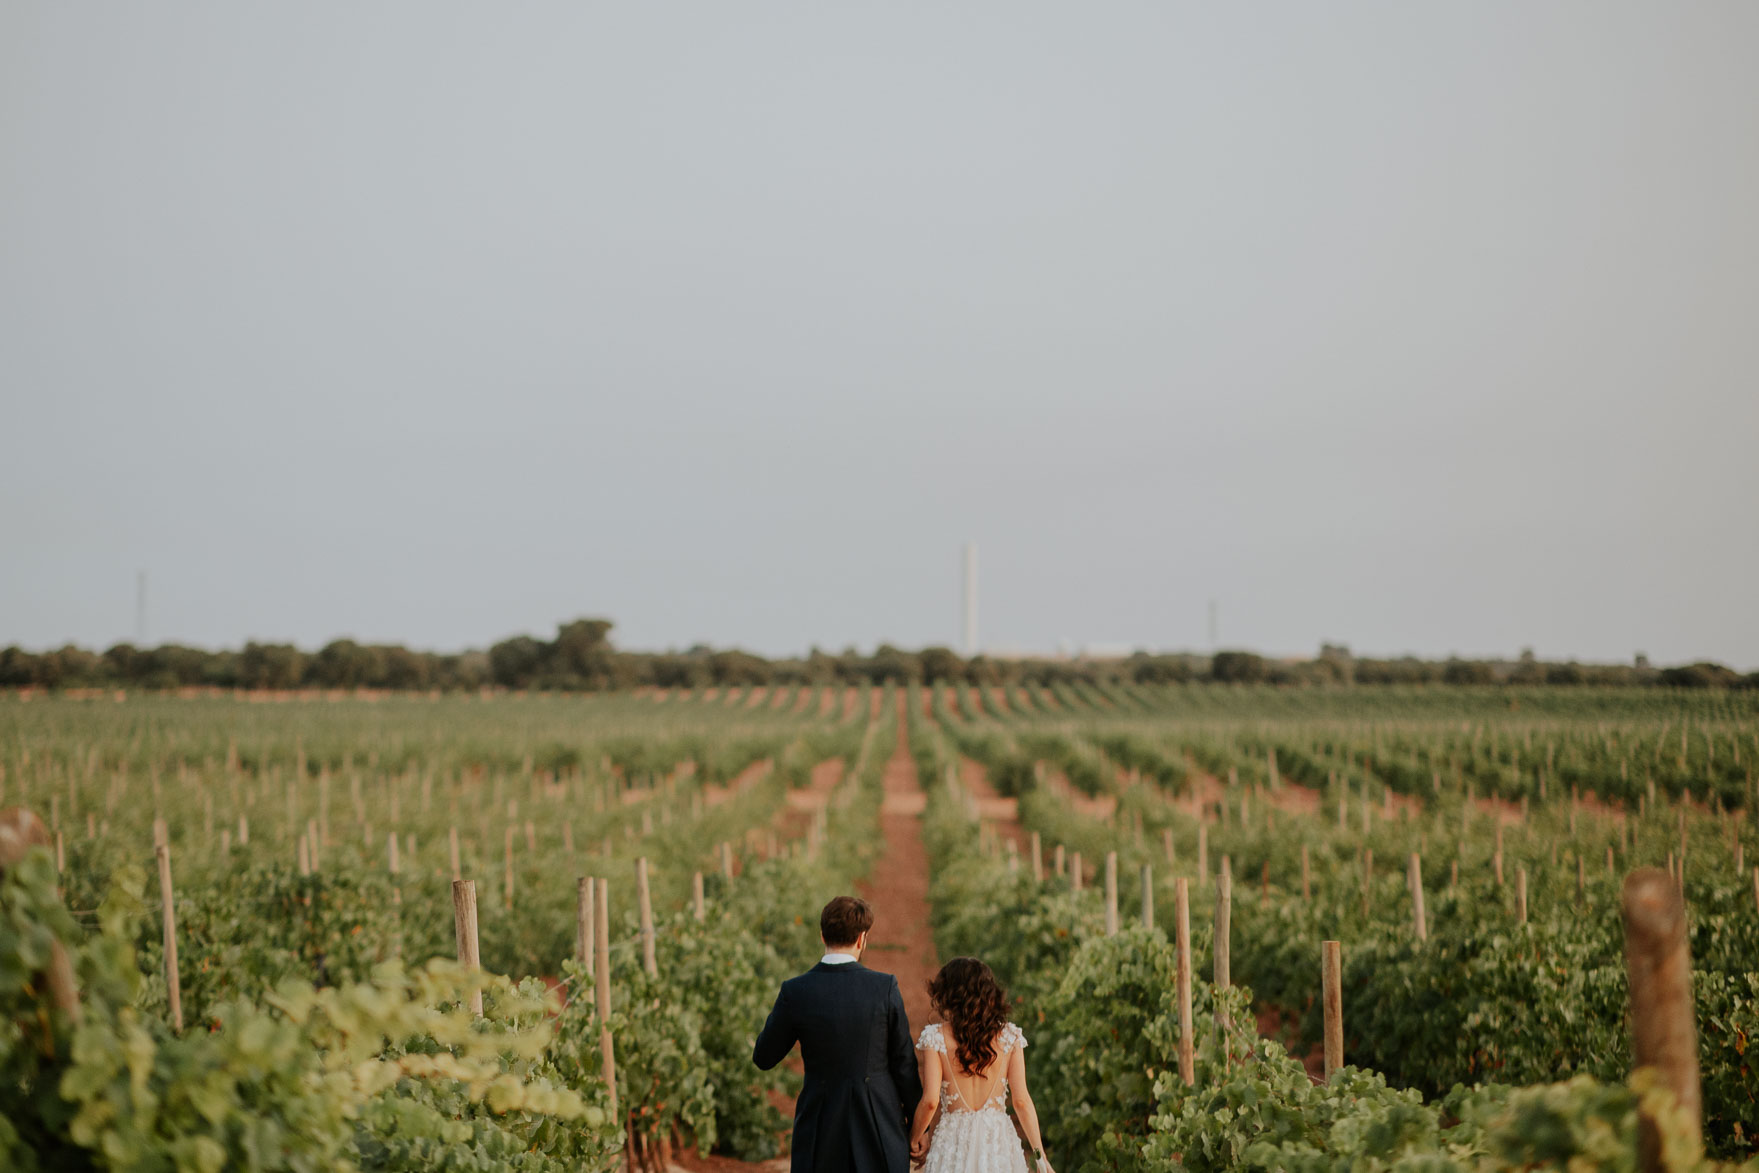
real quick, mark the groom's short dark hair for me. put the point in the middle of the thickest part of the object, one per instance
(844, 919)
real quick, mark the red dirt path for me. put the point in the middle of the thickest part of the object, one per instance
(898, 886)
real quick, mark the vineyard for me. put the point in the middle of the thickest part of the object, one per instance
(1245, 927)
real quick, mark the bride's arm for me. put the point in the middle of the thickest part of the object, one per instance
(1023, 1109)
(929, 1062)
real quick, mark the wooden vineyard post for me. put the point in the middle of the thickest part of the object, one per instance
(173, 984)
(1224, 899)
(696, 897)
(394, 865)
(1187, 1051)
(1075, 870)
(583, 896)
(645, 905)
(1037, 858)
(1521, 894)
(1663, 1036)
(1306, 876)
(1367, 878)
(1111, 893)
(1147, 896)
(726, 859)
(464, 931)
(1331, 989)
(1058, 864)
(1419, 923)
(602, 987)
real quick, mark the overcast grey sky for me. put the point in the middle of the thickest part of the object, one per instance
(1416, 326)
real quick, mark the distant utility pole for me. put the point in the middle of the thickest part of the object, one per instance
(970, 599)
(1214, 628)
(140, 609)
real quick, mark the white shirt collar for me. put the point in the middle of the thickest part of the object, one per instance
(835, 958)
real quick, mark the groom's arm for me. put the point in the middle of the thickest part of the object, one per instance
(778, 1035)
(901, 1053)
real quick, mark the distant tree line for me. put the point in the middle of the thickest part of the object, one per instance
(582, 658)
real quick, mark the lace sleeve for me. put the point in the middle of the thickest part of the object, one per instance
(1013, 1038)
(931, 1040)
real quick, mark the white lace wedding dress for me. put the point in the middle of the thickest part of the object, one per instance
(976, 1138)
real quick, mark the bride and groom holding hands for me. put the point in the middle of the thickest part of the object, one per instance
(872, 1102)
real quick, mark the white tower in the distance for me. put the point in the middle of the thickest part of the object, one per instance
(970, 599)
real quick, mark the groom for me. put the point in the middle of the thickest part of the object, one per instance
(861, 1081)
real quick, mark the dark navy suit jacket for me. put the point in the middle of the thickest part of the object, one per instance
(861, 1081)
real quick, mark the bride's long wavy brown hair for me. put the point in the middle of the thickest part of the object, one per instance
(975, 1006)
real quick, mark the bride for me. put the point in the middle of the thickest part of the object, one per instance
(968, 1061)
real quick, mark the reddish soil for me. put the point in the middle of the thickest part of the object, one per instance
(1001, 813)
(1101, 807)
(1276, 1023)
(1504, 810)
(827, 702)
(801, 805)
(874, 701)
(640, 794)
(747, 778)
(851, 698)
(1296, 800)
(898, 885)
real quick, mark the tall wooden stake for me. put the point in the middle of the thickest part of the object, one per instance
(464, 931)
(1331, 989)
(1663, 1033)
(1111, 893)
(602, 988)
(1187, 1052)
(1224, 899)
(173, 984)
(1419, 923)
(645, 904)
